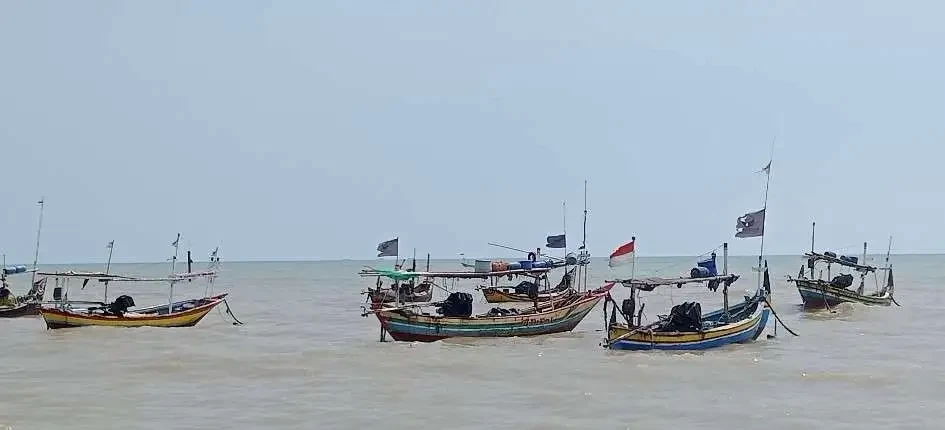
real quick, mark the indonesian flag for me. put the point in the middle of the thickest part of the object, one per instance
(623, 254)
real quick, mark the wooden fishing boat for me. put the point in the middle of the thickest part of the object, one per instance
(818, 293)
(66, 313)
(20, 310)
(520, 292)
(406, 324)
(28, 304)
(405, 293)
(184, 313)
(686, 327)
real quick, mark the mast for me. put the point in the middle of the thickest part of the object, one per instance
(170, 296)
(764, 208)
(108, 265)
(39, 229)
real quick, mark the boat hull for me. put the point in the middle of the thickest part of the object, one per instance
(149, 317)
(820, 294)
(406, 326)
(21, 310)
(740, 332)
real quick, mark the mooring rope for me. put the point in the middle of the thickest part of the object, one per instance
(230, 312)
(778, 319)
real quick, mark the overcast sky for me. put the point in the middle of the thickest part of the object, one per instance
(313, 129)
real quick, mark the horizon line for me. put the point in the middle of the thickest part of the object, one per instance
(339, 259)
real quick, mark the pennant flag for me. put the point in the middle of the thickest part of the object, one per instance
(750, 225)
(176, 241)
(623, 254)
(110, 244)
(388, 248)
(556, 241)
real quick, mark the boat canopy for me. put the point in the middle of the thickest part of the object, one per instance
(813, 257)
(649, 284)
(403, 275)
(115, 277)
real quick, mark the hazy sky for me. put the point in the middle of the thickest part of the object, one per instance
(317, 129)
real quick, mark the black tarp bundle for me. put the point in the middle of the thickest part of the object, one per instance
(456, 305)
(685, 317)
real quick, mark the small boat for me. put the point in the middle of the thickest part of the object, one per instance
(185, 313)
(818, 293)
(520, 292)
(686, 327)
(65, 313)
(406, 290)
(30, 303)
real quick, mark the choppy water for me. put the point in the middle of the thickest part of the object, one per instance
(306, 359)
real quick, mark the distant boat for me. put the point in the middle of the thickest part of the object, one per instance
(817, 293)
(30, 303)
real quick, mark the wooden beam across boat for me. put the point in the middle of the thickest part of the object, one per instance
(400, 274)
(653, 282)
(836, 260)
(115, 277)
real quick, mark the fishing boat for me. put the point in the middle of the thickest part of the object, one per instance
(520, 292)
(818, 293)
(407, 290)
(525, 291)
(686, 327)
(30, 303)
(65, 313)
(25, 305)
(454, 316)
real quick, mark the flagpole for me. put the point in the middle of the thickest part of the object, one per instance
(39, 229)
(765, 205)
(765, 221)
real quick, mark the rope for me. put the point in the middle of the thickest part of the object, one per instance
(230, 312)
(778, 319)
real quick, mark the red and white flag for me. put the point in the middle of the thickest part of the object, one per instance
(623, 254)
